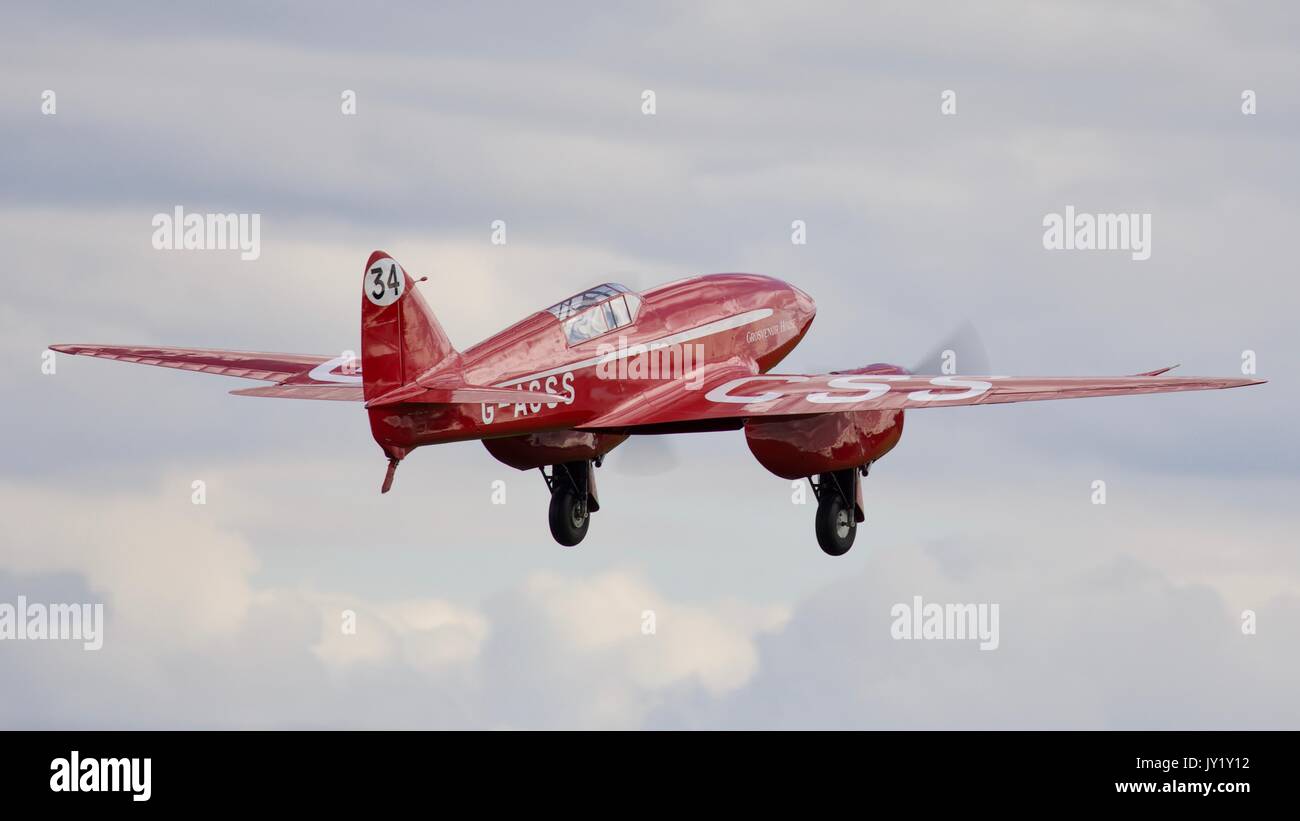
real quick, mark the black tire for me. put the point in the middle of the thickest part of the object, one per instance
(569, 516)
(836, 527)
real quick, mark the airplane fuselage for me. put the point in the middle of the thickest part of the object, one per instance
(680, 328)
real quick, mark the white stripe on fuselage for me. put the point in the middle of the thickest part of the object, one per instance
(632, 349)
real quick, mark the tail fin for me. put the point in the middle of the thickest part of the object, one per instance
(400, 337)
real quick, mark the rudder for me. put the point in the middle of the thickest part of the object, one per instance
(400, 337)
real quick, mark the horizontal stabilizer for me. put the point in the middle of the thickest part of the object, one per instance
(338, 393)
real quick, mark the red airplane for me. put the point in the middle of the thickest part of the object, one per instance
(563, 387)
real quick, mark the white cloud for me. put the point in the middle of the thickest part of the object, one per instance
(430, 636)
(170, 573)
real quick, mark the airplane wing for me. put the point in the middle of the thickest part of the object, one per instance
(297, 376)
(730, 394)
(300, 376)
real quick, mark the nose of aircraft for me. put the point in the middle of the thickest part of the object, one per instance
(804, 307)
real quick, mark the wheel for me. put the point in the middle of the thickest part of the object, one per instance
(836, 527)
(569, 516)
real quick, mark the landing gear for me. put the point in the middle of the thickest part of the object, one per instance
(838, 510)
(573, 500)
(835, 526)
(395, 455)
(569, 516)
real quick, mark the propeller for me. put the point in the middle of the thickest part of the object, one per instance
(962, 352)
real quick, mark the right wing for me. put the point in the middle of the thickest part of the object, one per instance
(731, 394)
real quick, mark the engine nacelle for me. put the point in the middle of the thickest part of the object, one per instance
(793, 448)
(556, 447)
(809, 445)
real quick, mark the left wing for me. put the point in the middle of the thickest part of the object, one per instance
(728, 395)
(297, 376)
(306, 376)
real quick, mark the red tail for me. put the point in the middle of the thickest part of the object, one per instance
(400, 337)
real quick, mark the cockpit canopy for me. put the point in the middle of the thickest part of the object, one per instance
(596, 311)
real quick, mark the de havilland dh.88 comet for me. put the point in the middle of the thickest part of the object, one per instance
(561, 388)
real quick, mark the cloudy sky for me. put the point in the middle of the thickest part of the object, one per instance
(1123, 615)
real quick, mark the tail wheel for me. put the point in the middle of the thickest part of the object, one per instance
(569, 515)
(836, 527)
